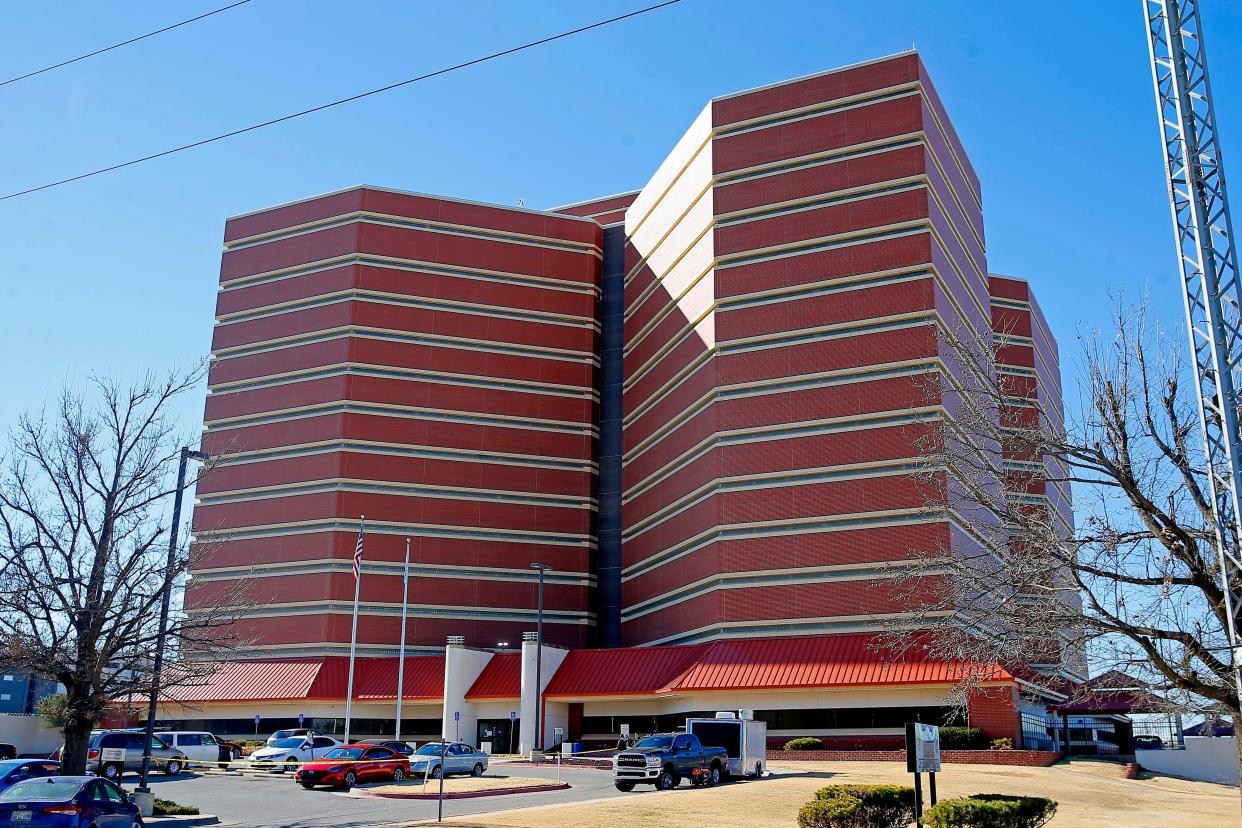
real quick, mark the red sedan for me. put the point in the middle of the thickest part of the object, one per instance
(346, 766)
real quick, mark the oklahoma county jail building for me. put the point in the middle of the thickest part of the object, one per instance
(699, 403)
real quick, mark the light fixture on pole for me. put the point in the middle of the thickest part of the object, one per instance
(187, 454)
(541, 567)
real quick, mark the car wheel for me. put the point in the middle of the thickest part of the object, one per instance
(111, 771)
(398, 775)
(625, 786)
(477, 770)
(290, 765)
(307, 785)
(350, 779)
(666, 781)
(436, 772)
(713, 778)
(173, 768)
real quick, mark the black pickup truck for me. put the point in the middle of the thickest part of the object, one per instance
(664, 759)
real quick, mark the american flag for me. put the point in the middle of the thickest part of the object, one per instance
(358, 548)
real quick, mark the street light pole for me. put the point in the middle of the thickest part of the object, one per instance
(539, 658)
(187, 454)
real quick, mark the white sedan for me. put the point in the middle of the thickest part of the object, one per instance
(289, 754)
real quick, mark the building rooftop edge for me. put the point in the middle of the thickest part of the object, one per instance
(812, 75)
(592, 200)
(414, 193)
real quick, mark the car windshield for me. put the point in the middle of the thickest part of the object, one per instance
(660, 742)
(432, 749)
(344, 753)
(294, 742)
(50, 789)
(282, 734)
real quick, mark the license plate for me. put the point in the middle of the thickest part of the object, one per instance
(22, 816)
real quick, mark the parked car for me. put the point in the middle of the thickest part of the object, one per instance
(8, 751)
(1148, 743)
(346, 766)
(404, 748)
(290, 733)
(664, 759)
(13, 771)
(68, 802)
(110, 753)
(458, 758)
(199, 746)
(288, 754)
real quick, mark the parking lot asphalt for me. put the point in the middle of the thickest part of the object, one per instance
(276, 801)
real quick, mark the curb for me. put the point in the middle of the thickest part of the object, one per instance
(197, 819)
(556, 786)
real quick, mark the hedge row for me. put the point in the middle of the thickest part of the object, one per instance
(859, 806)
(892, 806)
(804, 743)
(991, 811)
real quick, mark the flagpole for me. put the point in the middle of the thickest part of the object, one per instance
(353, 634)
(405, 597)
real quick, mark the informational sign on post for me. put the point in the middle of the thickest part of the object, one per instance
(625, 729)
(256, 724)
(301, 719)
(513, 715)
(922, 756)
(112, 755)
(558, 732)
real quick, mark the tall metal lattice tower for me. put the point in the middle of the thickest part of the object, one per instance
(1209, 268)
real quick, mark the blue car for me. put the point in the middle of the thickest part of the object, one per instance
(13, 771)
(68, 802)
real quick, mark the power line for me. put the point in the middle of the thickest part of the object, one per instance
(493, 56)
(122, 43)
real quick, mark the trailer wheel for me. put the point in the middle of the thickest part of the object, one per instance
(758, 770)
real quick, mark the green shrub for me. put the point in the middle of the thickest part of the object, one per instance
(991, 811)
(840, 812)
(804, 743)
(963, 738)
(165, 807)
(880, 806)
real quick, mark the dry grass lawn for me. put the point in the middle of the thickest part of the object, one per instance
(1091, 795)
(456, 784)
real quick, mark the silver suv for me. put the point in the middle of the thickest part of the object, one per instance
(111, 753)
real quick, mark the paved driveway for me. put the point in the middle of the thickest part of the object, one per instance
(277, 802)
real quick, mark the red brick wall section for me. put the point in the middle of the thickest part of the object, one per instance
(1025, 758)
(996, 710)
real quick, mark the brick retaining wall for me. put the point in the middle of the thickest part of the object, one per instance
(1027, 758)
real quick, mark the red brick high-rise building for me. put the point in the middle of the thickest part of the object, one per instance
(700, 403)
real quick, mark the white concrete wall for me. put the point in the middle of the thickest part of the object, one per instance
(552, 659)
(462, 666)
(290, 710)
(1206, 758)
(28, 734)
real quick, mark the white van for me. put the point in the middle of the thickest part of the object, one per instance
(199, 746)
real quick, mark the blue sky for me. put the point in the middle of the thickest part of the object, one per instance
(118, 273)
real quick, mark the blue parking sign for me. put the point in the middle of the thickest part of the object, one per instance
(512, 715)
(457, 715)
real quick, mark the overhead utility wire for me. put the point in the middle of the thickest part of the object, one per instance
(122, 43)
(493, 56)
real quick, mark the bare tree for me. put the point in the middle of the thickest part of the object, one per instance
(1135, 584)
(84, 548)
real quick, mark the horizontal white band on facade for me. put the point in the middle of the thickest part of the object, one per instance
(357, 485)
(905, 467)
(789, 576)
(432, 340)
(376, 608)
(376, 297)
(825, 333)
(339, 566)
(825, 287)
(407, 223)
(811, 525)
(828, 198)
(359, 369)
(406, 450)
(407, 412)
(782, 431)
(823, 625)
(522, 280)
(402, 528)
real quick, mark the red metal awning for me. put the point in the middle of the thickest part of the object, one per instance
(625, 671)
(319, 678)
(500, 679)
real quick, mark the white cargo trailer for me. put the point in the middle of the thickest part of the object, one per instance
(743, 738)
